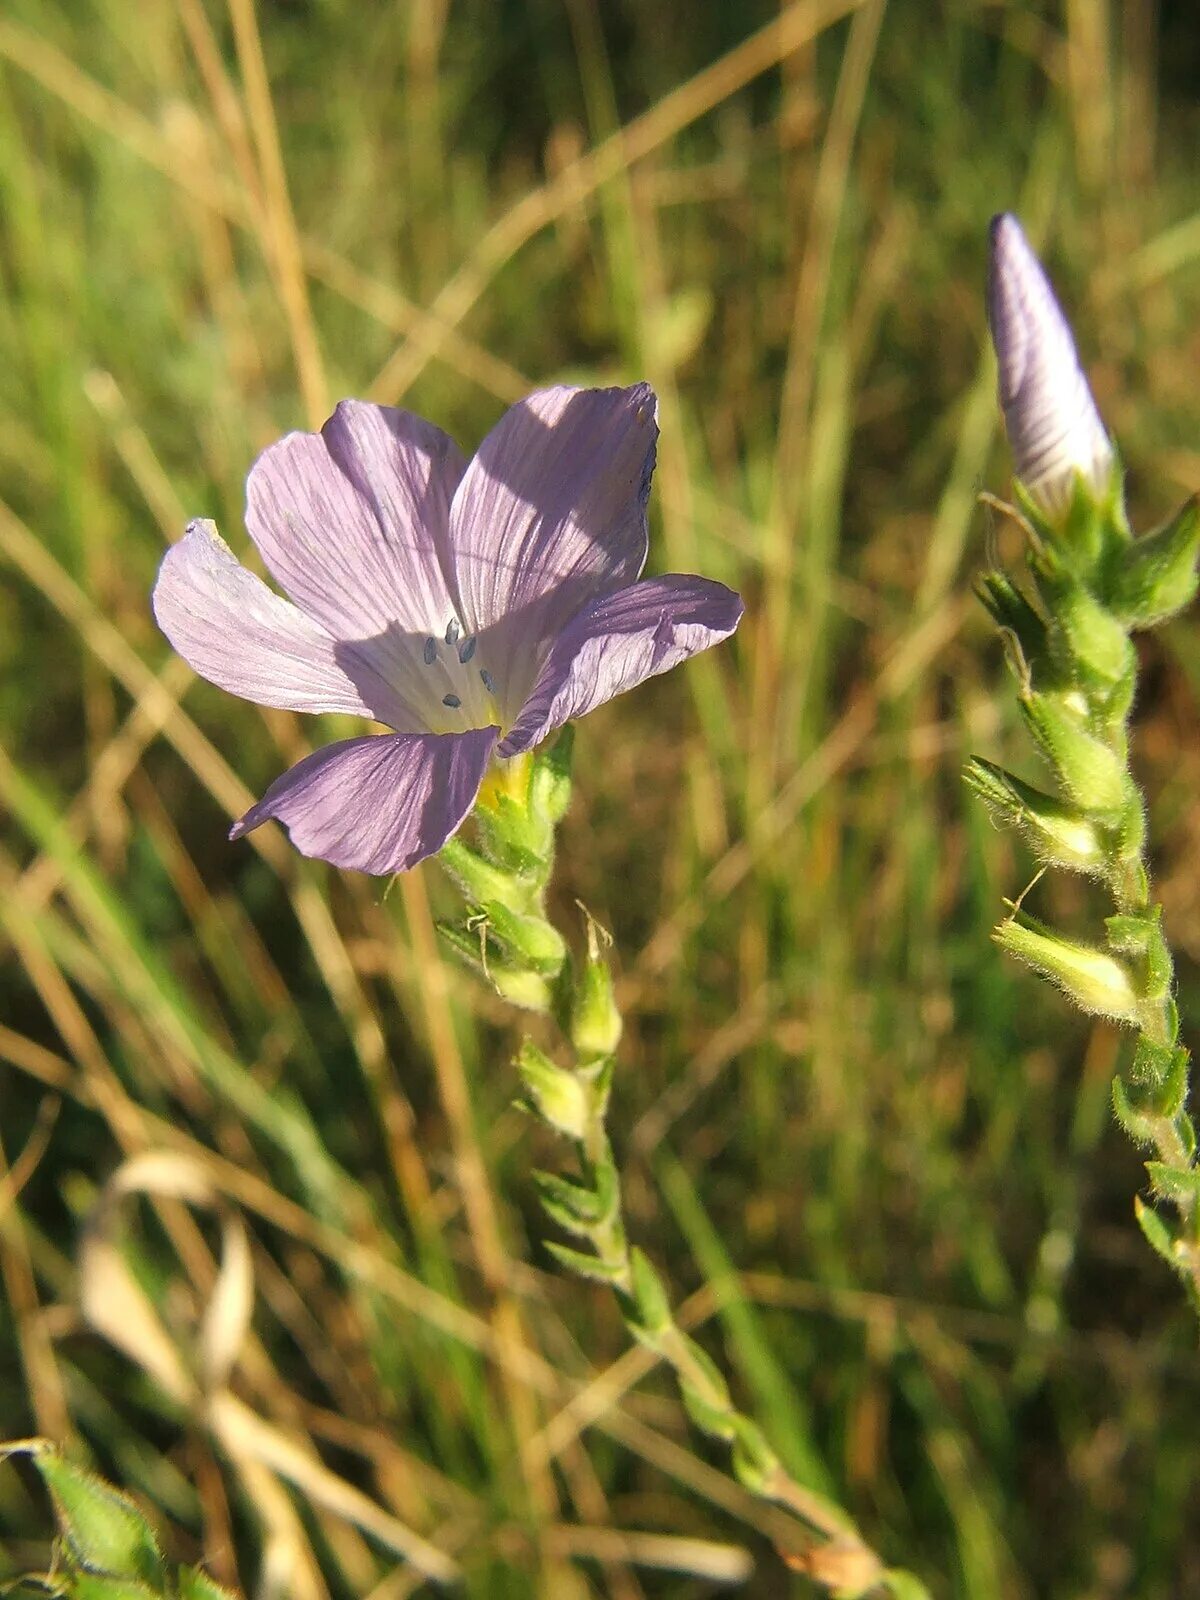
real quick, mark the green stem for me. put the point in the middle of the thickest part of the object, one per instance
(848, 1563)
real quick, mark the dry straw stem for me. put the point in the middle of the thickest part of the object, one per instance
(60, 76)
(43, 1380)
(135, 1127)
(280, 235)
(904, 664)
(117, 1307)
(798, 25)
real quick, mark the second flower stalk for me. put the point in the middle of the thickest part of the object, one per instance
(507, 936)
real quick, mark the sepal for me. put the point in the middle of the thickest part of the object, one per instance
(478, 879)
(1156, 576)
(1017, 618)
(1165, 1069)
(1142, 938)
(1088, 644)
(575, 1207)
(514, 840)
(1161, 1235)
(650, 1310)
(1178, 1184)
(520, 987)
(550, 780)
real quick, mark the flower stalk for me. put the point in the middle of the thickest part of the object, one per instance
(573, 1100)
(1091, 584)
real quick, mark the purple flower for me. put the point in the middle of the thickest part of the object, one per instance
(472, 607)
(1053, 426)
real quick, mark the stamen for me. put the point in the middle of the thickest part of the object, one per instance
(489, 683)
(467, 649)
(430, 651)
(452, 701)
(452, 631)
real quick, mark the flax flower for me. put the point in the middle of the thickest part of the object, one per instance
(471, 607)
(1054, 429)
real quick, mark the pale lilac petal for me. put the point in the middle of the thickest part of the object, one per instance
(353, 522)
(1053, 426)
(379, 804)
(229, 627)
(618, 642)
(550, 514)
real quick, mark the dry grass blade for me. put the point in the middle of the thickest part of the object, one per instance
(61, 77)
(118, 1308)
(796, 26)
(700, 1558)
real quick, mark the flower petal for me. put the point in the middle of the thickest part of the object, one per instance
(353, 521)
(378, 804)
(617, 642)
(1053, 426)
(229, 627)
(550, 514)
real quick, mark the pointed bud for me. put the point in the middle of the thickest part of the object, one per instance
(1096, 981)
(1092, 774)
(101, 1527)
(1055, 832)
(1054, 429)
(1157, 576)
(595, 1019)
(613, 1273)
(558, 1096)
(1012, 611)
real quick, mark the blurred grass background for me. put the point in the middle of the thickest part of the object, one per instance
(215, 219)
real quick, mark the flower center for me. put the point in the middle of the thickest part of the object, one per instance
(462, 690)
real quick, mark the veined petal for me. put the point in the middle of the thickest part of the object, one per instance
(378, 804)
(229, 627)
(550, 514)
(620, 640)
(353, 522)
(1053, 426)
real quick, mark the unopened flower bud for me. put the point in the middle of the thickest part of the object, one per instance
(521, 987)
(595, 1019)
(1057, 832)
(559, 1096)
(1095, 980)
(529, 939)
(1054, 429)
(478, 879)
